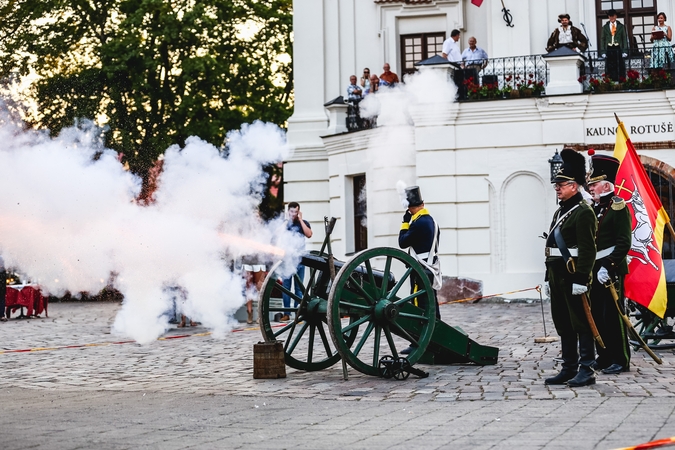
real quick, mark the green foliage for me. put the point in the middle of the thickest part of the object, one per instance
(158, 71)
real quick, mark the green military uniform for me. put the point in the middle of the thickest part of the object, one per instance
(570, 257)
(613, 242)
(578, 229)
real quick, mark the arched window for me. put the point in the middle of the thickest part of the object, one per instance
(663, 179)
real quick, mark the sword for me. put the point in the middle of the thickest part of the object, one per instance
(591, 322)
(587, 308)
(629, 326)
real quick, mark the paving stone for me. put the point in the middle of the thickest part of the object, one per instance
(198, 391)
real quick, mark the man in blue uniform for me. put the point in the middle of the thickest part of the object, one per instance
(420, 234)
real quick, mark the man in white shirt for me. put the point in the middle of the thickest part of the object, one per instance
(451, 48)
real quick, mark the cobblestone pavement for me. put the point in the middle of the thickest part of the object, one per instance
(199, 391)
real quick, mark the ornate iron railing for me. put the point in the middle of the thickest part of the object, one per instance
(503, 77)
(632, 70)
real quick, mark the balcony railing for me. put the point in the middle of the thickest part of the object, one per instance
(510, 77)
(354, 120)
(634, 70)
(527, 76)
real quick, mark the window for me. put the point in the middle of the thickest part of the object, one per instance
(639, 16)
(360, 214)
(418, 47)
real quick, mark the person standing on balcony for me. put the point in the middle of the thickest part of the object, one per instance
(614, 46)
(567, 35)
(662, 51)
(354, 96)
(374, 85)
(388, 78)
(474, 59)
(354, 91)
(365, 80)
(451, 47)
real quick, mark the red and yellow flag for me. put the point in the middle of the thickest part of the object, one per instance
(646, 282)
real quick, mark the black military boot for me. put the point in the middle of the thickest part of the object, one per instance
(586, 375)
(570, 364)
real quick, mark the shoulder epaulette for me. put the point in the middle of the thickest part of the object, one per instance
(618, 203)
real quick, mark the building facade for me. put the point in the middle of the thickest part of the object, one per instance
(483, 167)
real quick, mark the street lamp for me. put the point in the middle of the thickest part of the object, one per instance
(556, 163)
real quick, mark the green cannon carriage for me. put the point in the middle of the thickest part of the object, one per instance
(657, 332)
(369, 312)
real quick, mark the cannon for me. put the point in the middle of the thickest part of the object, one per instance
(364, 314)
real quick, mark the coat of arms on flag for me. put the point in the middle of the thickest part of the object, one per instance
(646, 281)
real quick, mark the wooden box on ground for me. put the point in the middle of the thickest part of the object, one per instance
(268, 360)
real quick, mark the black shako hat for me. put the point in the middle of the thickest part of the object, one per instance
(573, 168)
(414, 196)
(605, 168)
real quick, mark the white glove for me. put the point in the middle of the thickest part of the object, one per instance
(603, 275)
(604, 56)
(546, 289)
(578, 289)
(623, 55)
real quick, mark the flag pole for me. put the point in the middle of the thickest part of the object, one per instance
(625, 133)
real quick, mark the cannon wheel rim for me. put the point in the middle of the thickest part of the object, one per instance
(315, 329)
(335, 324)
(647, 326)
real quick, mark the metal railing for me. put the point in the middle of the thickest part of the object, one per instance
(503, 78)
(354, 120)
(632, 70)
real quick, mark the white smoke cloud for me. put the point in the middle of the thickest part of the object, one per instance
(427, 96)
(68, 221)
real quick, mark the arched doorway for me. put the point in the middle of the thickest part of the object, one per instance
(662, 177)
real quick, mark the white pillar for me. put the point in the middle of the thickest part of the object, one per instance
(309, 120)
(337, 117)
(564, 72)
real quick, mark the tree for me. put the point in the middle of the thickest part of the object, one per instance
(153, 71)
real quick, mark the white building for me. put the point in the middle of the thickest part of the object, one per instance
(482, 166)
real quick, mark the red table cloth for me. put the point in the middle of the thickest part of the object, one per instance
(26, 296)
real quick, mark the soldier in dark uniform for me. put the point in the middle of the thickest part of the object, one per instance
(420, 234)
(570, 256)
(613, 242)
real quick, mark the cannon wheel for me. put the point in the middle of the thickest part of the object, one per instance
(656, 332)
(356, 295)
(306, 343)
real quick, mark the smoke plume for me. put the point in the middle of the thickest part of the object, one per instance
(69, 222)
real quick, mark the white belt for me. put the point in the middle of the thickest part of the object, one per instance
(424, 255)
(553, 251)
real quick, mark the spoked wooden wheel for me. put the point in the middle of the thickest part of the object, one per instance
(390, 318)
(657, 333)
(306, 342)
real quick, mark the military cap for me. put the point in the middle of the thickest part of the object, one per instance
(573, 167)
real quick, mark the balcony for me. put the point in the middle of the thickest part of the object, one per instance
(561, 72)
(630, 73)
